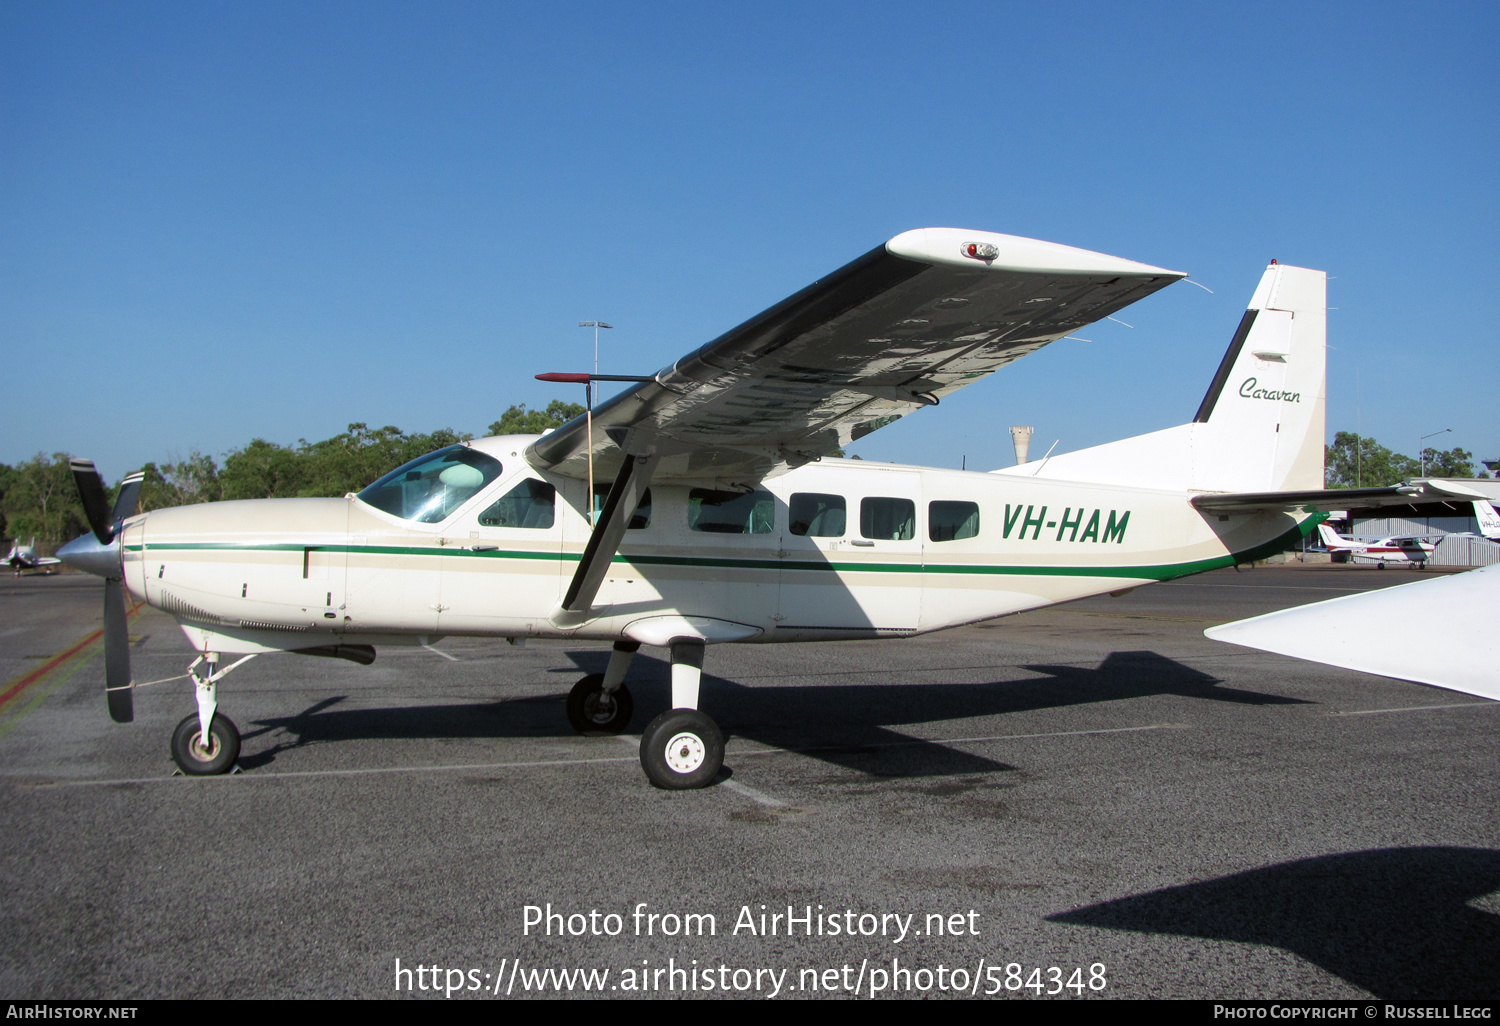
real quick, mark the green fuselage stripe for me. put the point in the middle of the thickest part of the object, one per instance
(1158, 572)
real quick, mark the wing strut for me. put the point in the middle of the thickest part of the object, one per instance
(624, 495)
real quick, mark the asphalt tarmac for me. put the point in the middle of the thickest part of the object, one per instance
(1093, 800)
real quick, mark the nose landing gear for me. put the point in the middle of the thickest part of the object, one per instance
(206, 744)
(197, 759)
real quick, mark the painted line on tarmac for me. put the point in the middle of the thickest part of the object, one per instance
(304, 774)
(759, 797)
(1146, 616)
(38, 694)
(754, 795)
(17, 685)
(80, 653)
(1419, 708)
(963, 740)
(744, 789)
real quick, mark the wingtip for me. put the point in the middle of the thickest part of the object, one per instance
(963, 247)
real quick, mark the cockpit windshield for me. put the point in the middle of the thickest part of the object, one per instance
(431, 487)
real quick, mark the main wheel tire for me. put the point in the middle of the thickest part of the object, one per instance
(682, 749)
(195, 758)
(593, 712)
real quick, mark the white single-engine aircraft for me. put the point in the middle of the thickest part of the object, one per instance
(725, 524)
(1412, 550)
(24, 557)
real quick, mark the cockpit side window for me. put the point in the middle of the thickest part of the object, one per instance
(432, 487)
(529, 504)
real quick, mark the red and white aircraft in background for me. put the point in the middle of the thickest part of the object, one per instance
(1411, 550)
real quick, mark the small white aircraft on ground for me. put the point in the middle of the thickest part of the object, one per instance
(24, 557)
(724, 523)
(1413, 550)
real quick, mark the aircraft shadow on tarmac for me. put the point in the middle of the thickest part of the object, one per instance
(845, 725)
(1393, 921)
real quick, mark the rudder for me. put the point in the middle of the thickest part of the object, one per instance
(1263, 417)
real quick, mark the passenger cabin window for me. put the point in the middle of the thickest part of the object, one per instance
(887, 519)
(639, 520)
(731, 512)
(430, 488)
(530, 504)
(952, 521)
(816, 516)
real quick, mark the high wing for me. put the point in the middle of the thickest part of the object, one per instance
(908, 323)
(1327, 499)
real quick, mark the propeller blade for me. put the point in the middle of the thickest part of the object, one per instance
(128, 499)
(117, 679)
(91, 494)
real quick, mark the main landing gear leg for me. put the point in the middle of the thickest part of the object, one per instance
(682, 748)
(194, 755)
(600, 705)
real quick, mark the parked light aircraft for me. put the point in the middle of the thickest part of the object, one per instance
(1488, 519)
(1413, 550)
(24, 557)
(724, 521)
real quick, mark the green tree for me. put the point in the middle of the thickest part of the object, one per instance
(344, 463)
(261, 470)
(1455, 462)
(1356, 462)
(518, 420)
(40, 499)
(195, 479)
(7, 473)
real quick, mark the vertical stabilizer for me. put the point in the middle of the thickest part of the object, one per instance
(1259, 427)
(1263, 414)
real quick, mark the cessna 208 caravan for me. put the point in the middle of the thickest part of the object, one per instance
(725, 523)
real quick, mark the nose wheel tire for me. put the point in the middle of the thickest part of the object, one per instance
(682, 749)
(197, 759)
(594, 712)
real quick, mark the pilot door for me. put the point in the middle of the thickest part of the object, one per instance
(503, 567)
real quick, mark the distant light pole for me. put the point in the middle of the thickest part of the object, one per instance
(1420, 455)
(589, 399)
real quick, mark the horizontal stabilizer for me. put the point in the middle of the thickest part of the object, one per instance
(1323, 500)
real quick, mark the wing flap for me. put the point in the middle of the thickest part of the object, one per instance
(899, 328)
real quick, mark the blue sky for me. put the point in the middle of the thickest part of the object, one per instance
(221, 221)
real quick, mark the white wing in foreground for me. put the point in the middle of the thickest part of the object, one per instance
(1439, 631)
